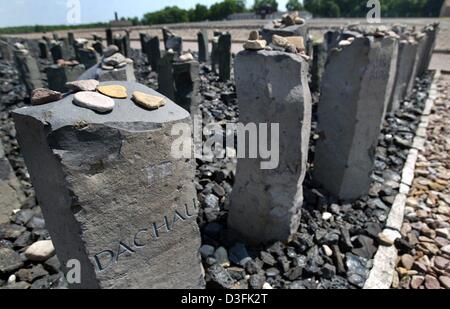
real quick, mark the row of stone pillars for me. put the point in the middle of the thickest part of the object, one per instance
(365, 77)
(117, 200)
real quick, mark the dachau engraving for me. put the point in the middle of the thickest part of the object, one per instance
(143, 237)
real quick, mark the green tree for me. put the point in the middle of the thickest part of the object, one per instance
(170, 14)
(261, 4)
(199, 13)
(222, 10)
(294, 5)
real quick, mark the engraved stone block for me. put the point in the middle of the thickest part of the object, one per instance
(112, 194)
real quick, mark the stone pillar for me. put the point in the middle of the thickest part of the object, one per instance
(224, 53)
(186, 76)
(331, 39)
(318, 65)
(295, 30)
(355, 89)
(126, 44)
(405, 65)
(109, 37)
(68, 50)
(272, 88)
(43, 49)
(153, 52)
(121, 74)
(57, 76)
(143, 38)
(98, 46)
(166, 34)
(88, 57)
(118, 41)
(430, 43)
(215, 54)
(57, 52)
(175, 43)
(11, 195)
(5, 50)
(203, 44)
(29, 72)
(112, 195)
(421, 45)
(166, 84)
(71, 38)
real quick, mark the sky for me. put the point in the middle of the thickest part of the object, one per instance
(58, 12)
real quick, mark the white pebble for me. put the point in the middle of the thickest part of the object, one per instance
(326, 216)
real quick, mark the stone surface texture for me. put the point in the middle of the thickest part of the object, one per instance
(272, 87)
(112, 194)
(355, 90)
(11, 196)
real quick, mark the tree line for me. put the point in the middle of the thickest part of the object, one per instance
(221, 10)
(358, 8)
(319, 8)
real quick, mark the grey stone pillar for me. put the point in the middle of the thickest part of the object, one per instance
(5, 50)
(119, 42)
(175, 43)
(153, 52)
(351, 111)
(272, 88)
(203, 46)
(98, 46)
(29, 72)
(186, 76)
(143, 38)
(71, 38)
(179, 81)
(43, 49)
(57, 52)
(224, 54)
(88, 57)
(109, 37)
(215, 54)
(405, 65)
(295, 30)
(113, 196)
(430, 43)
(318, 64)
(121, 74)
(11, 195)
(126, 44)
(166, 34)
(166, 84)
(421, 45)
(57, 77)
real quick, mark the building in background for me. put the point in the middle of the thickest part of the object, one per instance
(445, 11)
